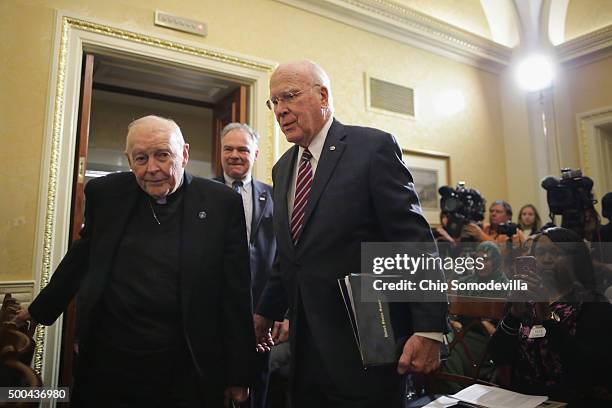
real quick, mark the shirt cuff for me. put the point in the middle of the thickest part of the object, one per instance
(437, 336)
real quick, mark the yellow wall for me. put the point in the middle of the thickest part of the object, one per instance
(584, 16)
(260, 28)
(590, 86)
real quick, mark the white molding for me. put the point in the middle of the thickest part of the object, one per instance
(406, 25)
(586, 48)
(589, 138)
(403, 24)
(74, 34)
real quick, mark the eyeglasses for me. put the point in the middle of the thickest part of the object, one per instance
(286, 97)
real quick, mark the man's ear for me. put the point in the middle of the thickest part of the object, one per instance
(185, 154)
(324, 97)
(256, 153)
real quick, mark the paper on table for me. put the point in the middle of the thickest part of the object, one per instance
(497, 397)
(442, 402)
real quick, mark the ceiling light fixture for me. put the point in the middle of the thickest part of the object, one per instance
(535, 73)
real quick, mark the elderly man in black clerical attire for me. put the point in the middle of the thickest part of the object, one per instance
(161, 274)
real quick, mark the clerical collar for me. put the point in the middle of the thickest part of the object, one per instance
(230, 180)
(172, 196)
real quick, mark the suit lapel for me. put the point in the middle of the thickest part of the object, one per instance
(260, 203)
(330, 156)
(282, 185)
(193, 231)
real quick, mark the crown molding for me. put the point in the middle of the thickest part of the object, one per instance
(586, 48)
(403, 24)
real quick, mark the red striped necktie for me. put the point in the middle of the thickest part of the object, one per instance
(302, 192)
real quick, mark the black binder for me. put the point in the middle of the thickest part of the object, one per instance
(371, 321)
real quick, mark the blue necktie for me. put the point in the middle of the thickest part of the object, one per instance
(236, 185)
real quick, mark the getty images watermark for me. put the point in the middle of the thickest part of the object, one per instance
(409, 272)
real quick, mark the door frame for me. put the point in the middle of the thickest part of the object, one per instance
(73, 35)
(589, 140)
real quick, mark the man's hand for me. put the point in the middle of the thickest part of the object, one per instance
(420, 355)
(21, 317)
(263, 336)
(444, 236)
(280, 331)
(474, 231)
(235, 394)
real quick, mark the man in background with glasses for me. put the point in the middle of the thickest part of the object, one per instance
(337, 187)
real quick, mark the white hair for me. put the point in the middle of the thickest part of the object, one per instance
(164, 125)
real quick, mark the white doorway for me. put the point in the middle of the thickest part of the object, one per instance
(595, 145)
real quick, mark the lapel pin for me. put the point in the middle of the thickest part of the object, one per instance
(262, 198)
(202, 215)
(332, 148)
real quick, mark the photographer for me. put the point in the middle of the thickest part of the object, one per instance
(500, 228)
(571, 197)
(605, 231)
(447, 244)
(460, 207)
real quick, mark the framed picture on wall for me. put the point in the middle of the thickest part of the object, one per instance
(430, 170)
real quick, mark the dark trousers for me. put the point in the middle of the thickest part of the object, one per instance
(259, 390)
(107, 377)
(314, 387)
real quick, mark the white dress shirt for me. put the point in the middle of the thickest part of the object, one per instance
(246, 191)
(315, 148)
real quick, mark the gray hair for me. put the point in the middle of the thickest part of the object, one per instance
(169, 123)
(240, 126)
(504, 204)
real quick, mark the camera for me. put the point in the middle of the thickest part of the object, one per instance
(570, 196)
(462, 205)
(572, 192)
(508, 229)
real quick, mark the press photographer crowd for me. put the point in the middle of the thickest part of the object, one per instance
(552, 339)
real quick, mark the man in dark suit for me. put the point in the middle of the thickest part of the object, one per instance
(239, 152)
(164, 313)
(337, 187)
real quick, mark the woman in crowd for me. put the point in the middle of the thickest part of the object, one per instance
(558, 342)
(491, 271)
(529, 220)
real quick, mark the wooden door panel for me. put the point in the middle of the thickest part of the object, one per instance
(230, 109)
(77, 211)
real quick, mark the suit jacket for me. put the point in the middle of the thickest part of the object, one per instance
(362, 192)
(214, 285)
(262, 248)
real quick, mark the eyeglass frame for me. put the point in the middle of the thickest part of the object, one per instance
(286, 97)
